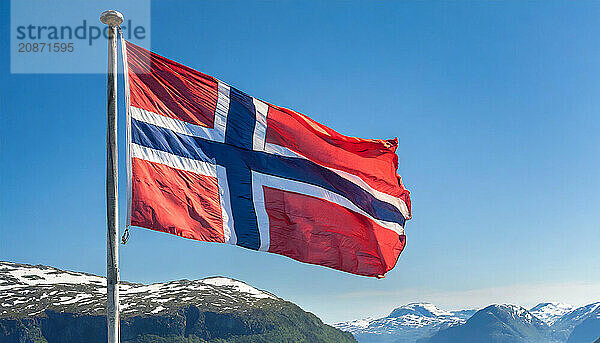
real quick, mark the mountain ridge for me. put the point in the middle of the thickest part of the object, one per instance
(497, 323)
(404, 324)
(543, 323)
(45, 304)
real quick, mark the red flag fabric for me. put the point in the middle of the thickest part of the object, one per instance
(211, 163)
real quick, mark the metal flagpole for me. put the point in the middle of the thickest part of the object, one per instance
(113, 19)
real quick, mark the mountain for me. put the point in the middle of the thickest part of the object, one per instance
(550, 312)
(545, 322)
(405, 324)
(45, 304)
(565, 326)
(498, 324)
(588, 329)
(423, 322)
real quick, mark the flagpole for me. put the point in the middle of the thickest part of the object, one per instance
(113, 19)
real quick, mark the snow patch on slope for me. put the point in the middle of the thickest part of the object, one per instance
(550, 312)
(41, 275)
(237, 285)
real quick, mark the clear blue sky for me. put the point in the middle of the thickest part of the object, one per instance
(495, 104)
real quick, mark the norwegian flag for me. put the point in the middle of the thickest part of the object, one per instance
(211, 163)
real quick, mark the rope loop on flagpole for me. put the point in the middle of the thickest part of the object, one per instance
(125, 236)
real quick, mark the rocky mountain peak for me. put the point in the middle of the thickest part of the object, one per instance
(510, 312)
(419, 309)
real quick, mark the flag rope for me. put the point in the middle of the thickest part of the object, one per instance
(128, 125)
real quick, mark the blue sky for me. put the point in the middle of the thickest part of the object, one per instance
(495, 105)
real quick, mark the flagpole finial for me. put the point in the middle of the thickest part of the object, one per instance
(111, 18)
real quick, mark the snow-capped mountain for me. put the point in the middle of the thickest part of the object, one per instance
(45, 304)
(577, 315)
(423, 322)
(550, 312)
(497, 323)
(405, 324)
(419, 309)
(29, 290)
(568, 323)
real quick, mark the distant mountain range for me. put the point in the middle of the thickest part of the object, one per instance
(45, 305)
(405, 324)
(425, 323)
